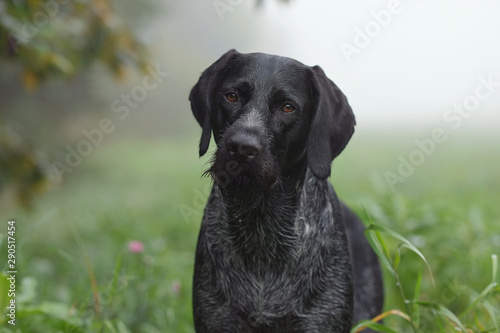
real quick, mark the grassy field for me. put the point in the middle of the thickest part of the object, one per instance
(76, 272)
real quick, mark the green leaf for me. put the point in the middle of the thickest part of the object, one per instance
(486, 291)
(109, 326)
(489, 288)
(444, 313)
(397, 259)
(59, 311)
(384, 246)
(490, 309)
(404, 241)
(52, 309)
(60, 62)
(378, 245)
(27, 291)
(121, 327)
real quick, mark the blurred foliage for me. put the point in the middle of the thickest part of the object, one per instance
(60, 37)
(20, 167)
(56, 38)
(45, 39)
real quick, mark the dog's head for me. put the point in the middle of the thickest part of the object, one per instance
(269, 115)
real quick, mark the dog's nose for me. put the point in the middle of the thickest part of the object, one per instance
(244, 147)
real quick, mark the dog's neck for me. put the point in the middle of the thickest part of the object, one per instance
(262, 224)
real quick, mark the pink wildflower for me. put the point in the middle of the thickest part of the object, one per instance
(135, 246)
(176, 287)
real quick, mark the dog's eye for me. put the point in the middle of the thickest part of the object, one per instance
(232, 97)
(288, 108)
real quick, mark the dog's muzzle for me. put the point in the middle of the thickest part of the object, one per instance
(244, 161)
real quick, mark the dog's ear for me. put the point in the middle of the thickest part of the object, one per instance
(332, 124)
(202, 97)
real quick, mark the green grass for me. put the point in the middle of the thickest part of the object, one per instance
(76, 274)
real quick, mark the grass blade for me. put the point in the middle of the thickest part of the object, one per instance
(494, 267)
(489, 288)
(88, 263)
(397, 259)
(416, 310)
(109, 326)
(486, 291)
(404, 243)
(444, 313)
(116, 275)
(373, 324)
(376, 244)
(492, 313)
(384, 246)
(122, 328)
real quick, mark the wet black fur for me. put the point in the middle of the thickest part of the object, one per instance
(277, 251)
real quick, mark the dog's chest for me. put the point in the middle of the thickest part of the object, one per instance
(267, 297)
(267, 267)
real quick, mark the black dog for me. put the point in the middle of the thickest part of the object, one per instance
(277, 251)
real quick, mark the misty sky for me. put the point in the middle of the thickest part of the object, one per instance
(399, 62)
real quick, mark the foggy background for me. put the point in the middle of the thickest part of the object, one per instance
(409, 69)
(428, 57)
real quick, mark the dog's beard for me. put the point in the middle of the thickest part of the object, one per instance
(237, 177)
